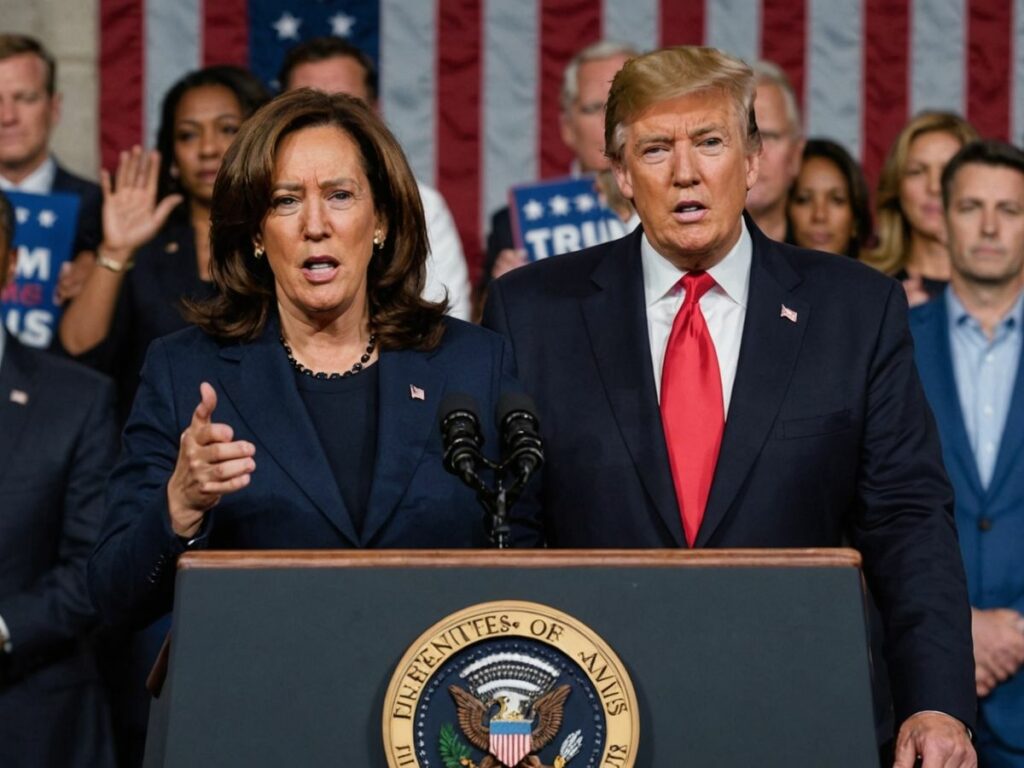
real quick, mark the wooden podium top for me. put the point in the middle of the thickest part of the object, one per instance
(522, 558)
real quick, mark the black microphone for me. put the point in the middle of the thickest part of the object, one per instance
(463, 438)
(520, 435)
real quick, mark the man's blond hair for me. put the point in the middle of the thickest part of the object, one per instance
(673, 72)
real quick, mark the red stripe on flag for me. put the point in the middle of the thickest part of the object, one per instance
(459, 36)
(886, 78)
(122, 70)
(989, 63)
(682, 22)
(226, 32)
(566, 26)
(784, 39)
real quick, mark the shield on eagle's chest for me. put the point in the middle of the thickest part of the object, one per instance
(510, 740)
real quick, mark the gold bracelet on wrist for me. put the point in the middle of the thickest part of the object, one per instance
(113, 265)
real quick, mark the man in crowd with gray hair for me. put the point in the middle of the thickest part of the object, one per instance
(782, 140)
(585, 84)
(701, 385)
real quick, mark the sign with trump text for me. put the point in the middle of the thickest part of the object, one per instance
(560, 216)
(43, 236)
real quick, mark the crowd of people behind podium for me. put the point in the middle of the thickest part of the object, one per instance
(143, 256)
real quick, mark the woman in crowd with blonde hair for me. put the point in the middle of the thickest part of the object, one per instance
(910, 223)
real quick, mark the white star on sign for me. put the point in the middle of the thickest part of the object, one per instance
(533, 210)
(21, 214)
(341, 24)
(584, 203)
(287, 27)
(559, 205)
(46, 218)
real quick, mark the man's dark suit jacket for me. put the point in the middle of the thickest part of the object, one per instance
(57, 444)
(89, 233)
(827, 433)
(293, 501)
(990, 518)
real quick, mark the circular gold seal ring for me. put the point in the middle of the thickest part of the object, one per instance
(508, 619)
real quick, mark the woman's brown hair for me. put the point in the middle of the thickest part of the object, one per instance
(241, 197)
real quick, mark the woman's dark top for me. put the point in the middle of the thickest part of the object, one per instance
(932, 287)
(149, 306)
(344, 415)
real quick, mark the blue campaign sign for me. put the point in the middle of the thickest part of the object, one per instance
(560, 216)
(44, 235)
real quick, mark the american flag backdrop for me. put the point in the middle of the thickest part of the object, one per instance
(471, 87)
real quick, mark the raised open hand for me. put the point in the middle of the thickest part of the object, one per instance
(131, 213)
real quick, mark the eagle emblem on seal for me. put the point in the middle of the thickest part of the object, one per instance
(511, 709)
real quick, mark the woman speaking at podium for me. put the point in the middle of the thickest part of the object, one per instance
(301, 412)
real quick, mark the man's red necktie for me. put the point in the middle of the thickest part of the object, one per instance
(691, 404)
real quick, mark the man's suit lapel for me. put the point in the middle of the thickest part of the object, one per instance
(936, 360)
(616, 321)
(404, 426)
(17, 378)
(768, 353)
(257, 374)
(1012, 442)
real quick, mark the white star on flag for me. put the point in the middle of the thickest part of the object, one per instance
(21, 214)
(19, 396)
(416, 393)
(533, 210)
(46, 218)
(559, 205)
(584, 203)
(287, 27)
(789, 314)
(341, 24)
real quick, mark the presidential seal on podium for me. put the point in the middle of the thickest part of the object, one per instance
(510, 684)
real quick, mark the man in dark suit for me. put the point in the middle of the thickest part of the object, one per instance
(827, 431)
(29, 111)
(968, 344)
(57, 443)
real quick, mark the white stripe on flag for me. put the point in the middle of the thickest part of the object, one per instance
(1017, 76)
(938, 58)
(734, 26)
(834, 86)
(510, 87)
(173, 37)
(408, 82)
(635, 22)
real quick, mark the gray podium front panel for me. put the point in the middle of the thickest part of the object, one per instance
(742, 666)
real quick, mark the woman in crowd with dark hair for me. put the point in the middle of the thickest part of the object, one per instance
(302, 411)
(828, 205)
(154, 254)
(909, 220)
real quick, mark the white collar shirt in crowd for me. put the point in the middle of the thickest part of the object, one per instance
(724, 306)
(39, 182)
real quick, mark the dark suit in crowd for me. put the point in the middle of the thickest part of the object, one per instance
(58, 441)
(828, 434)
(89, 233)
(990, 519)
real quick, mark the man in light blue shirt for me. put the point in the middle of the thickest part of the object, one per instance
(968, 348)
